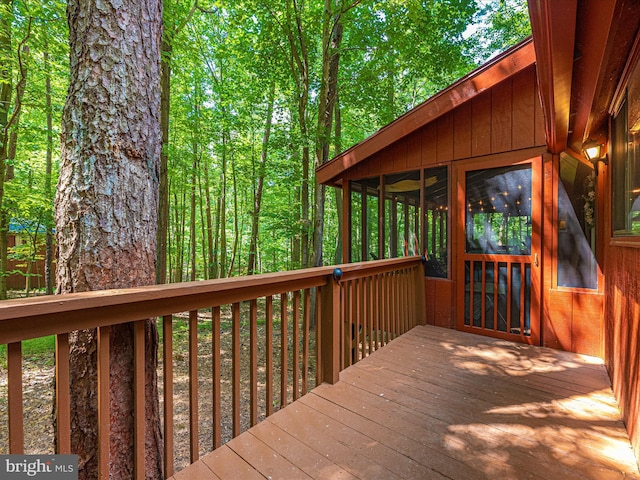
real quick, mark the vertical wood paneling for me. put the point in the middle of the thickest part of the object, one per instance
(414, 150)
(540, 137)
(445, 137)
(523, 130)
(481, 125)
(501, 121)
(386, 159)
(429, 143)
(400, 155)
(622, 333)
(462, 131)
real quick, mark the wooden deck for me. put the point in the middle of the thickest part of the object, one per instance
(437, 403)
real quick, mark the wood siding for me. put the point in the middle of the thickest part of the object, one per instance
(505, 118)
(622, 327)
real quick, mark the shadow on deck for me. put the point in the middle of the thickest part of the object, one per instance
(436, 403)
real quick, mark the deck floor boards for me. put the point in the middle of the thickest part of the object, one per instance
(441, 404)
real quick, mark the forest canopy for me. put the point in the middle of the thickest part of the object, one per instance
(244, 95)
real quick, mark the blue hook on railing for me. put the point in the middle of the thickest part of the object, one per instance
(337, 274)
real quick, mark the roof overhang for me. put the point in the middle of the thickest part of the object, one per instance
(581, 48)
(501, 67)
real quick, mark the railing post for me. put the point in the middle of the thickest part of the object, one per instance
(421, 306)
(330, 329)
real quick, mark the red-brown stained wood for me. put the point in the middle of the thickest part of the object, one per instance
(622, 330)
(167, 377)
(193, 386)
(104, 413)
(139, 400)
(414, 150)
(587, 326)
(235, 369)
(306, 320)
(501, 117)
(524, 99)
(436, 403)
(386, 160)
(215, 377)
(268, 331)
(429, 135)
(284, 354)
(253, 360)
(14, 374)
(481, 125)
(400, 156)
(462, 131)
(445, 137)
(558, 328)
(63, 402)
(539, 131)
(296, 345)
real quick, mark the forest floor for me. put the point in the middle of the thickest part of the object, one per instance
(39, 374)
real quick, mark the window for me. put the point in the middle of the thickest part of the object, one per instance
(577, 265)
(401, 207)
(625, 159)
(436, 211)
(364, 219)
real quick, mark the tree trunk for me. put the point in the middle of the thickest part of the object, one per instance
(163, 191)
(257, 198)
(6, 77)
(337, 148)
(107, 210)
(48, 187)
(210, 269)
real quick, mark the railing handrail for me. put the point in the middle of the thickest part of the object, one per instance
(23, 319)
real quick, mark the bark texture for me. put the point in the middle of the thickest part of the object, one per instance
(107, 207)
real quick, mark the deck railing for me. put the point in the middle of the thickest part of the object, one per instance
(267, 321)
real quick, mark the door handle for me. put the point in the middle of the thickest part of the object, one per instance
(535, 259)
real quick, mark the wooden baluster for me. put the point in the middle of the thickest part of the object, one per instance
(194, 449)
(139, 416)
(319, 358)
(306, 315)
(16, 415)
(63, 397)
(235, 376)
(104, 414)
(167, 381)
(253, 345)
(269, 353)
(216, 371)
(296, 344)
(284, 354)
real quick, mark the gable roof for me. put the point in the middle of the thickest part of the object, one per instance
(501, 67)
